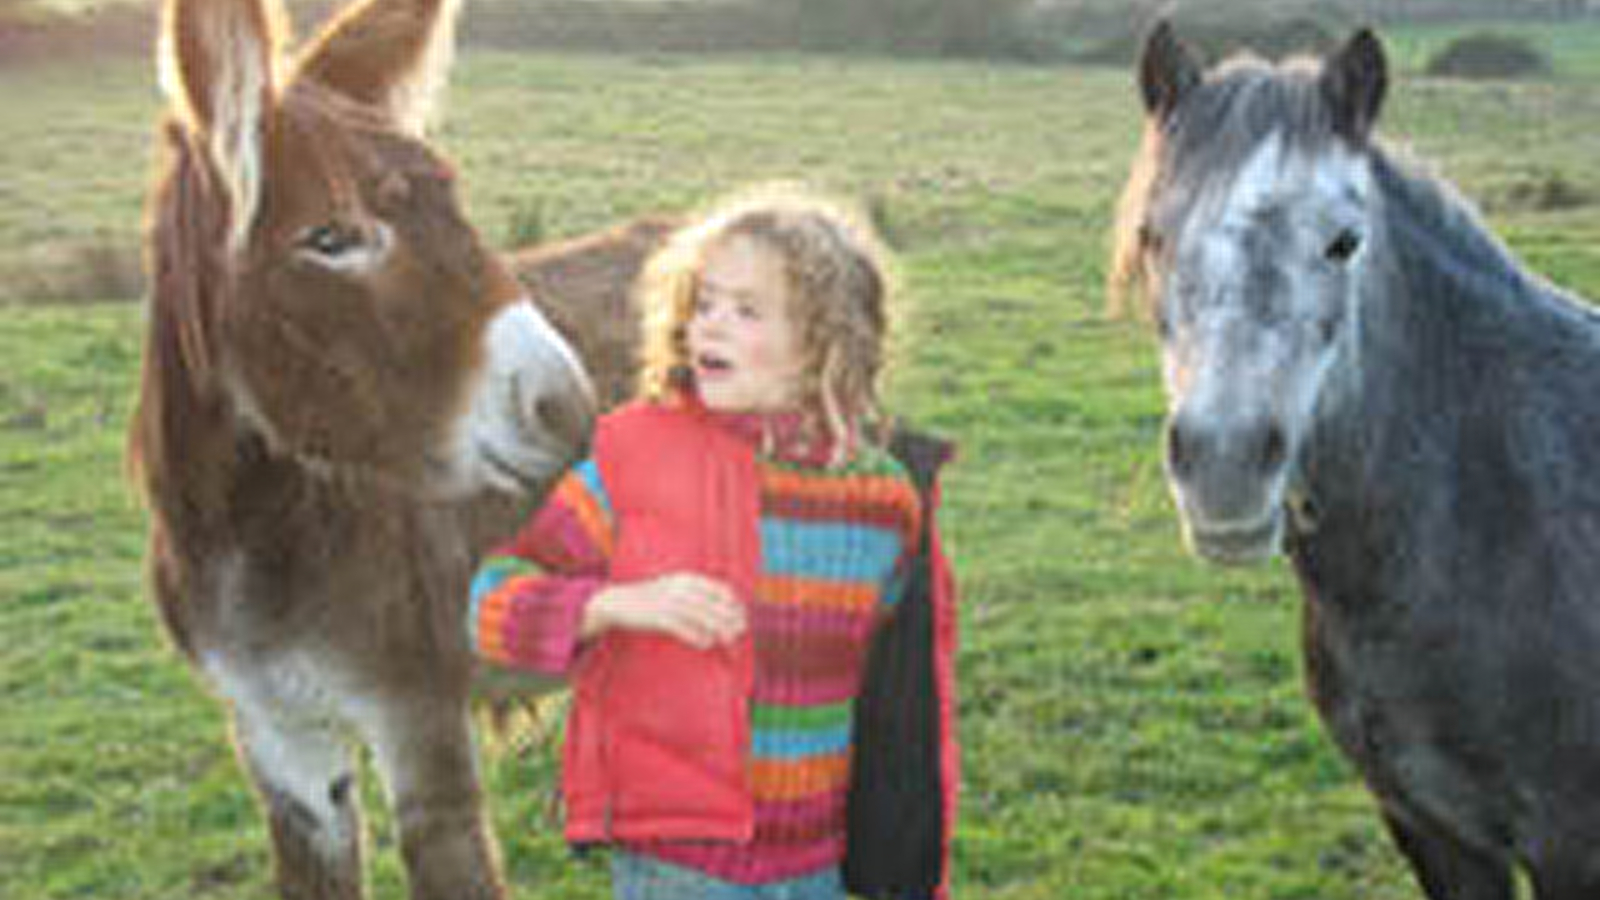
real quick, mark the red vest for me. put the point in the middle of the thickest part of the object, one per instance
(659, 732)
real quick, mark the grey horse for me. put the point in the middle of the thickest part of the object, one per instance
(1360, 373)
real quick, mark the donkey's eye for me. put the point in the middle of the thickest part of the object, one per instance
(1343, 247)
(330, 239)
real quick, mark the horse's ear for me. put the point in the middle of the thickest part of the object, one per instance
(1168, 70)
(392, 54)
(1354, 81)
(217, 60)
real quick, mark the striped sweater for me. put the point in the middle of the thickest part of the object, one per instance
(835, 543)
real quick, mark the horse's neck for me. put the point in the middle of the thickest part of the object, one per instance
(1446, 318)
(1441, 297)
(1438, 298)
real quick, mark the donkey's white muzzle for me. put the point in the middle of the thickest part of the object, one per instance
(534, 408)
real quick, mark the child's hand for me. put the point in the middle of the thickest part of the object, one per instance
(697, 610)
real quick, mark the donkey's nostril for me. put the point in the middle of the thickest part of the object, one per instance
(568, 419)
(554, 417)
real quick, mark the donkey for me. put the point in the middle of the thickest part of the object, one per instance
(1358, 372)
(345, 396)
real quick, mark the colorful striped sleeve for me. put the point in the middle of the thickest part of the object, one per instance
(573, 532)
(528, 597)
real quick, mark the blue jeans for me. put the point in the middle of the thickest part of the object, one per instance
(637, 877)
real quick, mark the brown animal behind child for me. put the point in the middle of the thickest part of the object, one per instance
(585, 286)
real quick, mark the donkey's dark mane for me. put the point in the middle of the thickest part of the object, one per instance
(178, 394)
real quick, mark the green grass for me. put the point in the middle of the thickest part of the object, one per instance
(1134, 724)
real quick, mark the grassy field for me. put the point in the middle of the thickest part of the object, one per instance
(1133, 722)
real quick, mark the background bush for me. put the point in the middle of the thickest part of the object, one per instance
(1489, 55)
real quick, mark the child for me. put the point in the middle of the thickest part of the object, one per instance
(712, 577)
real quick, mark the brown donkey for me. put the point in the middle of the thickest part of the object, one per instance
(344, 396)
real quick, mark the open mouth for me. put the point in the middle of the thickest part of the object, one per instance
(712, 365)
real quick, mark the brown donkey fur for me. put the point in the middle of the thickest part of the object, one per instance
(345, 396)
(585, 286)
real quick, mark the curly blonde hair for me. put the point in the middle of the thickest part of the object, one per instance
(840, 288)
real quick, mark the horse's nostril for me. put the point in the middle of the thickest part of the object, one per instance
(1274, 449)
(1180, 450)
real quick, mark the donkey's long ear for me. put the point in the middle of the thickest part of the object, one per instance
(217, 60)
(392, 54)
(1354, 81)
(1168, 70)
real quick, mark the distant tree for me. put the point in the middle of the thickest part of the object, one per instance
(956, 27)
(940, 27)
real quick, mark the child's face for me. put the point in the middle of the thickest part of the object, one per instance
(744, 350)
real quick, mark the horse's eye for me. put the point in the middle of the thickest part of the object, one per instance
(330, 239)
(1343, 247)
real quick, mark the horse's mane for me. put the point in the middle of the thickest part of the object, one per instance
(1432, 231)
(1220, 124)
